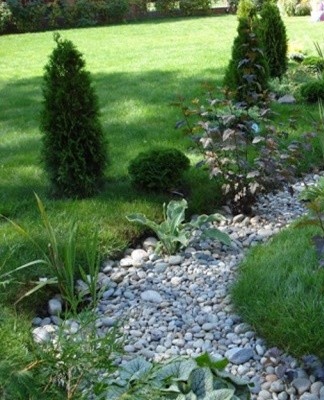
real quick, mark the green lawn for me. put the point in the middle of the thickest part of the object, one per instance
(137, 69)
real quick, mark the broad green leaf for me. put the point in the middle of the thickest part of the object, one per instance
(188, 396)
(232, 378)
(205, 360)
(221, 394)
(203, 219)
(201, 380)
(175, 213)
(136, 217)
(135, 369)
(177, 370)
(183, 238)
(115, 392)
(216, 234)
(141, 219)
(173, 388)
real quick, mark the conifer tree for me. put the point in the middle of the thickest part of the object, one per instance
(74, 149)
(274, 39)
(246, 77)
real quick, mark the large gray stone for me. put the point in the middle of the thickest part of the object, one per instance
(239, 355)
(54, 307)
(139, 255)
(287, 99)
(301, 384)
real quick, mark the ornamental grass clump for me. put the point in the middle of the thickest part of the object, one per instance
(74, 147)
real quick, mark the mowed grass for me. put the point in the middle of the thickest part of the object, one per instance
(279, 291)
(137, 70)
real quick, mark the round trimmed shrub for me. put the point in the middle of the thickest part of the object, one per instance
(313, 91)
(158, 169)
(74, 148)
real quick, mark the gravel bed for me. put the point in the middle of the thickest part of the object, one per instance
(180, 305)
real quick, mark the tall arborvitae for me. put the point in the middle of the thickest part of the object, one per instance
(74, 149)
(274, 39)
(246, 77)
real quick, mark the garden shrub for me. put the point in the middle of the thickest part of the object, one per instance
(85, 13)
(166, 6)
(74, 149)
(246, 77)
(116, 9)
(29, 17)
(246, 9)
(189, 7)
(5, 17)
(295, 7)
(303, 8)
(314, 63)
(57, 14)
(158, 169)
(97, 12)
(243, 150)
(274, 39)
(313, 91)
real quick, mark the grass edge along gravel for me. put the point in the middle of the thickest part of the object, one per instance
(279, 291)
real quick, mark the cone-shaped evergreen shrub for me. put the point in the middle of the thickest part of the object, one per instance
(246, 77)
(74, 149)
(274, 39)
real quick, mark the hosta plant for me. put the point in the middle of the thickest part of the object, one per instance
(183, 378)
(173, 233)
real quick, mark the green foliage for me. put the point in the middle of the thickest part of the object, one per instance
(28, 17)
(247, 159)
(314, 63)
(314, 197)
(166, 6)
(295, 7)
(74, 148)
(61, 263)
(67, 367)
(17, 381)
(5, 17)
(158, 169)
(71, 365)
(274, 39)
(182, 378)
(246, 77)
(116, 10)
(173, 233)
(313, 91)
(246, 9)
(189, 7)
(279, 291)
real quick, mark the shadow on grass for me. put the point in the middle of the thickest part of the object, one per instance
(22, 99)
(135, 112)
